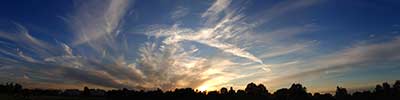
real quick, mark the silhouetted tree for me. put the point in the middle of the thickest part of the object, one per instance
(251, 89)
(252, 92)
(387, 91)
(396, 89)
(378, 89)
(326, 96)
(282, 94)
(262, 89)
(223, 91)
(241, 93)
(341, 93)
(86, 91)
(297, 91)
(396, 85)
(11, 88)
(231, 91)
(379, 92)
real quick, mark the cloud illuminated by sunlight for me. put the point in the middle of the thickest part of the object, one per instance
(220, 51)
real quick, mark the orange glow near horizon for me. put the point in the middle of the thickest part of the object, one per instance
(203, 88)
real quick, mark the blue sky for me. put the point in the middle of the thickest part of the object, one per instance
(207, 44)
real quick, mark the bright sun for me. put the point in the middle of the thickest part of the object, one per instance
(203, 88)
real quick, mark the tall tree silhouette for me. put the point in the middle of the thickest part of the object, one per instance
(341, 93)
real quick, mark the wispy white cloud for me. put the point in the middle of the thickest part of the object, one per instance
(284, 50)
(219, 34)
(51, 61)
(216, 7)
(103, 22)
(179, 13)
(226, 31)
(67, 49)
(213, 37)
(281, 8)
(99, 53)
(213, 12)
(354, 57)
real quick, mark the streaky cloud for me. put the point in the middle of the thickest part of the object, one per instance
(100, 55)
(213, 12)
(356, 56)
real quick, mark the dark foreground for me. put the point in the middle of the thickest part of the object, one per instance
(11, 91)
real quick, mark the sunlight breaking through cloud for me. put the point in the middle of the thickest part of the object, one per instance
(99, 53)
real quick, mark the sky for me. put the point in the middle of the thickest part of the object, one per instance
(202, 44)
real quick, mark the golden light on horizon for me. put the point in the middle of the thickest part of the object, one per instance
(203, 88)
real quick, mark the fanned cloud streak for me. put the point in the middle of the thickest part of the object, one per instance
(98, 52)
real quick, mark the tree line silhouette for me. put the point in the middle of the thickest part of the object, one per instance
(14, 91)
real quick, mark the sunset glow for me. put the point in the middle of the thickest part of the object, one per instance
(200, 44)
(203, 88)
